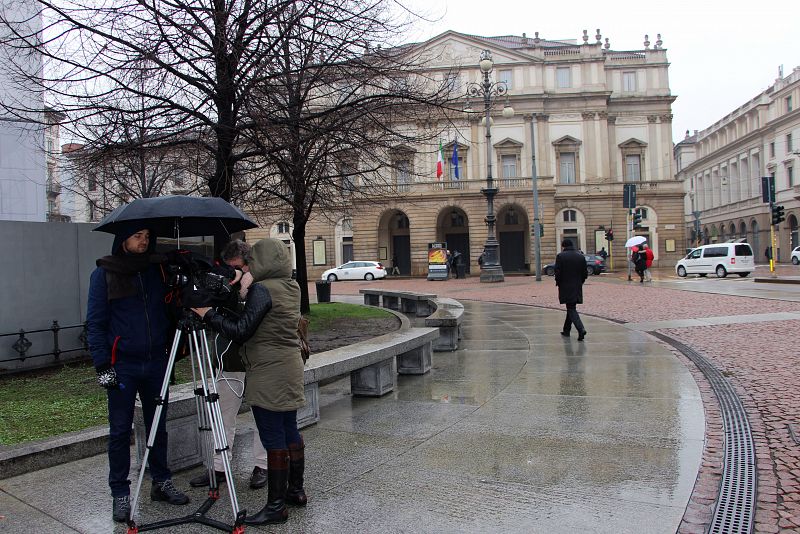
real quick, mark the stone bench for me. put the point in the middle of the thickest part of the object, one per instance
(373, 365)
(447, 318)
(403, 301)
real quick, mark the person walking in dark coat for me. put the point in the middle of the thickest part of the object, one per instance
(570, 274)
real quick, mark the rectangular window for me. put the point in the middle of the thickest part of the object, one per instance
(403, 175)
(509, 163)
(772, 149)
(92, 183)
(567, 167)
(452, 168)
(505, 76)
(789, 103)
(790, 176)
(633, 171)
(789, 145)
(629, 82)
(563, 77)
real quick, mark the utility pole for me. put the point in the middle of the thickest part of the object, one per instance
(534, 178)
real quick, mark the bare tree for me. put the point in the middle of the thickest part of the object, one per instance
(202, 60)
(343, 99)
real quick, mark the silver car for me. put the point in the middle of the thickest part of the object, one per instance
(355, 270)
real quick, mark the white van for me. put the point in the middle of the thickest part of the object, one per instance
(720, 258)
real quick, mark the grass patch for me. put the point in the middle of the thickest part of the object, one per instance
(323, 315)
(42, 404)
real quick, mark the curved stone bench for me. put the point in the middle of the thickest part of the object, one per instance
(447, 318)
(403, 301)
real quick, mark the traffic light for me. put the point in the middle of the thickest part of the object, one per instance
(637, 219)
(777, 215)
(541, 230)
(609, 235)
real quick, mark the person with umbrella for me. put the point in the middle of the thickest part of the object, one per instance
(639, 259)
(128, 335)
(570, 274)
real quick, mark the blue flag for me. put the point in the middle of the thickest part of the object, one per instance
(454, 161)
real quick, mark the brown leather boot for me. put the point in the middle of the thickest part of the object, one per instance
(277, 477)
(296, 495)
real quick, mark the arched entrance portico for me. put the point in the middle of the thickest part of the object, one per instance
(512, 225)
(452, 226)
(394, 237)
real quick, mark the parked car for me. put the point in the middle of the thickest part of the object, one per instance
(796, 256)
(719, 258)
(594, 265)
(355, 270)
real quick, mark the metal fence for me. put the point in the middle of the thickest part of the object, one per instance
(23, 344)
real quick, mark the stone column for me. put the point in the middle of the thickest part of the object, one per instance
(654, 148)
(613, 151)
(590, 173)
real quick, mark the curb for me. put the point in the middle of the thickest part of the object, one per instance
(19, 459)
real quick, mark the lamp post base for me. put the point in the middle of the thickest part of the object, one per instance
(492, 273)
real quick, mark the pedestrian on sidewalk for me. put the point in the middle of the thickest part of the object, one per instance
(128, 329)
(267, 331)
(570, 274)
(231, 379)
(639, 259)
(395, 265)
(649, 257)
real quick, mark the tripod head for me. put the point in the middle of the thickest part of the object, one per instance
(190, 321)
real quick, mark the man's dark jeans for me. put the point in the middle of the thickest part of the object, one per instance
(146, 378)
(573, 318)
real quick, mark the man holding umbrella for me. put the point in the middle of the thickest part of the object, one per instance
(128, 334)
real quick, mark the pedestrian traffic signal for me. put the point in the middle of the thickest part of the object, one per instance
(609, 235)
(778, 215)
(637, 219)
(541, 230)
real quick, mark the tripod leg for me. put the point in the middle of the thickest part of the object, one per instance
(213, 413)
(154, 424)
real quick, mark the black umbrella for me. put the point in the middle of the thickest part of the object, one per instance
(178, 216)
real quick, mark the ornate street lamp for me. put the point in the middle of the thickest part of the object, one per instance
(491, 270)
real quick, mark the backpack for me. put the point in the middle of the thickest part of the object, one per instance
(302, 335)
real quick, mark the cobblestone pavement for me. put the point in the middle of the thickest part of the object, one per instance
(760, 359)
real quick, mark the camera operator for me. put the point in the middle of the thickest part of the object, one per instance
(267, 331)
(230, 381)
(128, 336)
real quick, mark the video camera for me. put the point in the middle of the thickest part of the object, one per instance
(196, 280)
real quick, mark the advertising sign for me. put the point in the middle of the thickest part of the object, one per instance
(437, 261)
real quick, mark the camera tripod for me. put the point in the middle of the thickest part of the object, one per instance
(209, 418)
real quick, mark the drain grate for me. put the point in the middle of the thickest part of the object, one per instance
(735, 509)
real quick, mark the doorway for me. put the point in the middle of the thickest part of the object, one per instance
(459, 242)
(401, 246)
(512, 251)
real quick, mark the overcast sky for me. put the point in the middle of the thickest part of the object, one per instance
(721, 53)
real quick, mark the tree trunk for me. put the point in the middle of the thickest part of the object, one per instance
(299, 236)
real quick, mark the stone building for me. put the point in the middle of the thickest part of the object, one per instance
(721, 169)
(599, 118)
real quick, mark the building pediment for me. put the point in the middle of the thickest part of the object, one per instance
(567, 140)
(453, 49)
(449, 146)
(508, 143)
(633, 143)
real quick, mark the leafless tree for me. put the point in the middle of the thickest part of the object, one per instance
(343, 102)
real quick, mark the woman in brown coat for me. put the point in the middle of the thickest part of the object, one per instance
(267, 331)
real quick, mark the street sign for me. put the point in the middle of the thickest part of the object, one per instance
(629, 196)
(768, 189)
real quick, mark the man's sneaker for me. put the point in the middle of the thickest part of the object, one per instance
(166, 491)
(122, 508)
(259, 478)
(203, 480)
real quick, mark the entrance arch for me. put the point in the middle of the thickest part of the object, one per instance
(283, 230)
(343, 236)
(512, 233)
(452, 226)
(571, 225)
(394, 237)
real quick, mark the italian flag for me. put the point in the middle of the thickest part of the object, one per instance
(440, 162)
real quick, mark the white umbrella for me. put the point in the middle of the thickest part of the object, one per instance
(635, 240)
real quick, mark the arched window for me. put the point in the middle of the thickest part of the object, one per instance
(402, 222)
(570, 216)
(283, 227)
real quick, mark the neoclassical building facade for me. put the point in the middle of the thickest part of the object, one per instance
(596, 118)
(721, 169)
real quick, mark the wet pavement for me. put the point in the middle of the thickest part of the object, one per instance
(520, 430)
